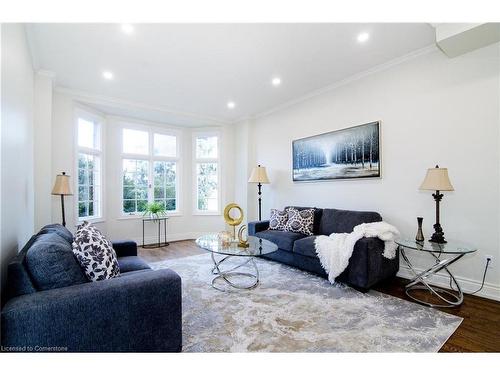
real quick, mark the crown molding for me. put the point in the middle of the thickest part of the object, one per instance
(376, 69)
(90, 98)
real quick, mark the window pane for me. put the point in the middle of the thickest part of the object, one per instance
(135, 185)
(129, 206)
(83, 193)
(170, 204)
(135, 142)
(128, 192)
(206, 147)
(88, 189)
(141, 205)
(165, 145)
(161, 201)
(207, 186)
(165, 181)
(170, 191)
(86, 134)
(82, 211)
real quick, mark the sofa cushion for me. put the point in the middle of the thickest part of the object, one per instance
(95, 253)
(317, 216)
(52, 264)
(300, 221)
(58, 229)
(278, 219)
(344, 221)
(132, 263)
(284, 240)
(305, 246)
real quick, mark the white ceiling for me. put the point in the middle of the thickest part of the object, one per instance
(185, 74)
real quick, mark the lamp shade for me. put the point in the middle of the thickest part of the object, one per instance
(62, 185)
(259, 175)
(437, 179)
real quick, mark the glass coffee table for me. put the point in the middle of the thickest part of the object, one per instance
(444, 255)
(233, 276)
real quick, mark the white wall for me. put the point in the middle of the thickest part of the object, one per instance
(43, 148)
(17, 216)
(184, 226)
(433, 110)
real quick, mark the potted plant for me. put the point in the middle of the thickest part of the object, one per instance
(154, 210)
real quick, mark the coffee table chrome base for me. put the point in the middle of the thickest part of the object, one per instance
(452, 298)
(232, 278)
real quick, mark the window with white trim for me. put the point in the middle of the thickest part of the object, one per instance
(206, 160)
(150, 161)
(89, 161)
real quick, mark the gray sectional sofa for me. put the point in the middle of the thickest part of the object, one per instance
(367, 266)
(49, 304)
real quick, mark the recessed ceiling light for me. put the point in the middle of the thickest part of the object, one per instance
(276, 81)
(107, 75)
(127, 28)
(231, 105)
(363, 37)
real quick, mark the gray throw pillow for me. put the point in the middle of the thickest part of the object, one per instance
(278, 219)
(95, 253)
(51, 263)
(300, 221)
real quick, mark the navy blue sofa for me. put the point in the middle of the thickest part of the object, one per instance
(50, 305)
(366, 266)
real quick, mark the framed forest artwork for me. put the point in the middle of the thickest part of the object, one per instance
(347, 153)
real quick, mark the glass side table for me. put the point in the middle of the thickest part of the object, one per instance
(452, 251)
(159, 243)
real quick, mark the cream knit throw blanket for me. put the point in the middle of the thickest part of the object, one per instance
(335, 250)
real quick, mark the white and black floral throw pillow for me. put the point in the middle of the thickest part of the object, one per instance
(95, 253)
(278, 219)
(300, 221)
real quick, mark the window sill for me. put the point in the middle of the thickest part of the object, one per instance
(91, 220)
(139, 217)
(199, 213)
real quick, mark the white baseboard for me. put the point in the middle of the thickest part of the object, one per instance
(170, 237)
(489, 291)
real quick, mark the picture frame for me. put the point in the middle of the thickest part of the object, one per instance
(348, 153)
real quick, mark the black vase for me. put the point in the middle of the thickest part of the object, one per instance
(420, 234)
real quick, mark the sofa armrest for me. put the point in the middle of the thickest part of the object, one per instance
(125, 248)
(137, 312)
(367, 265)
(257, 226)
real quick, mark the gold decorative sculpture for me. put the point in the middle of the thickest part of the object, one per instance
(234, 222)
(242, 242)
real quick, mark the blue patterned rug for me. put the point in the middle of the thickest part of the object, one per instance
(294, 311)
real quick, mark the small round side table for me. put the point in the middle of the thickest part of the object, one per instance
(452, 251)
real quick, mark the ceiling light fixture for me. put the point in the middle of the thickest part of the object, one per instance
(107, 75)
(231, 105)
(276, 81)
(127, 28)
(363, 37)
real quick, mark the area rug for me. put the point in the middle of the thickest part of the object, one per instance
(294, 311)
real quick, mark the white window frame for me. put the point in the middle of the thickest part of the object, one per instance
(98, 120)
(151, 158)
(195, 135)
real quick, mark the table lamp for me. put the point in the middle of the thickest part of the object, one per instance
(437, 179)
(259, 176)
(62, 187)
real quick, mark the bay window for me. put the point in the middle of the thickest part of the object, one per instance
(150, 159)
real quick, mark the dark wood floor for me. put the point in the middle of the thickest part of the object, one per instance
(479, 332)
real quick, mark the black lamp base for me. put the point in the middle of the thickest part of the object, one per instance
(438, 235)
